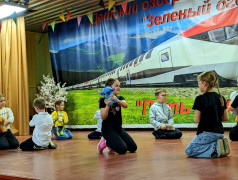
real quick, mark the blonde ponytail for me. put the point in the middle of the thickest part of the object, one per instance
(212, 80)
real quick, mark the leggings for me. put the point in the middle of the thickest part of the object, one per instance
(118, 139)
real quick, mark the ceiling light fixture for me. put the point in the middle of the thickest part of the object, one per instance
(8, 8)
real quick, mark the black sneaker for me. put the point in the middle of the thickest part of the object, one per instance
(154, 133)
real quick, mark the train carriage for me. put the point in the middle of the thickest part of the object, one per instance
(205, 46)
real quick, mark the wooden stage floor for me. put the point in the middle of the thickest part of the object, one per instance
(155, 159)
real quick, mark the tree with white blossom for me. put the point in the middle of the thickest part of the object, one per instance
(51, 92)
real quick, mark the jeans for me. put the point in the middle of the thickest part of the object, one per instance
(203, 145)
(67, 134)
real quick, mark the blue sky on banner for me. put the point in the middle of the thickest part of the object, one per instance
(70, 45)
(68, 34)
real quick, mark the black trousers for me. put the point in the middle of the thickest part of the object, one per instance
(234, 133)
(95, 135)
(167, 134)
(118, 139)
(8, 140)
(27, 145)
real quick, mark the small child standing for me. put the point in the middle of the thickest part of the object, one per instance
(233, 107)
(97, 133)
(41, 138)
(7, 139)
(161, 118)
(60, 119)
(210, 111)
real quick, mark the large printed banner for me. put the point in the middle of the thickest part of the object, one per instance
(153, 44)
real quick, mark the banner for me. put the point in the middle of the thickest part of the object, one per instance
(155, 44)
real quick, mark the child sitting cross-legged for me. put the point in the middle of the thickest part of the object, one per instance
(43, 123)
(97, 133)
(60, 119)
(161, 118)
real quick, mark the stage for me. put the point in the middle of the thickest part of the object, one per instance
(155, 159)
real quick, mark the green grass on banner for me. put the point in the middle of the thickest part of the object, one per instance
(82, 105)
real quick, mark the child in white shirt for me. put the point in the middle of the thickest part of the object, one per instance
(43, 123)
(7, 139)
(97, 133)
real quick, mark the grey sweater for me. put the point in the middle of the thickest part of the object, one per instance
(160, 114)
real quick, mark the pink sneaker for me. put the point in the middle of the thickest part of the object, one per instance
(53, 138)
(101, 145)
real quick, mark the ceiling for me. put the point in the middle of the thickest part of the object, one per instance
(49, 10)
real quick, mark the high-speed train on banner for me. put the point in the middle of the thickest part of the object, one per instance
(211, 45)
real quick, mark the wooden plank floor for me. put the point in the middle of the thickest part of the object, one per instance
(154, 159)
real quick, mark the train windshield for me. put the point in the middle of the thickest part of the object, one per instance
(217, 35)
(226, 35)
(230, 32)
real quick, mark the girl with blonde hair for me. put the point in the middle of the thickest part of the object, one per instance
(210, 111)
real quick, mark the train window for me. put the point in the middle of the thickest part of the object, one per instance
(202, 36)
(141, 58)
(135, 62)
(165, 57)
(230, 32)
(217, 35)
(131, 63)
(148, 55)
